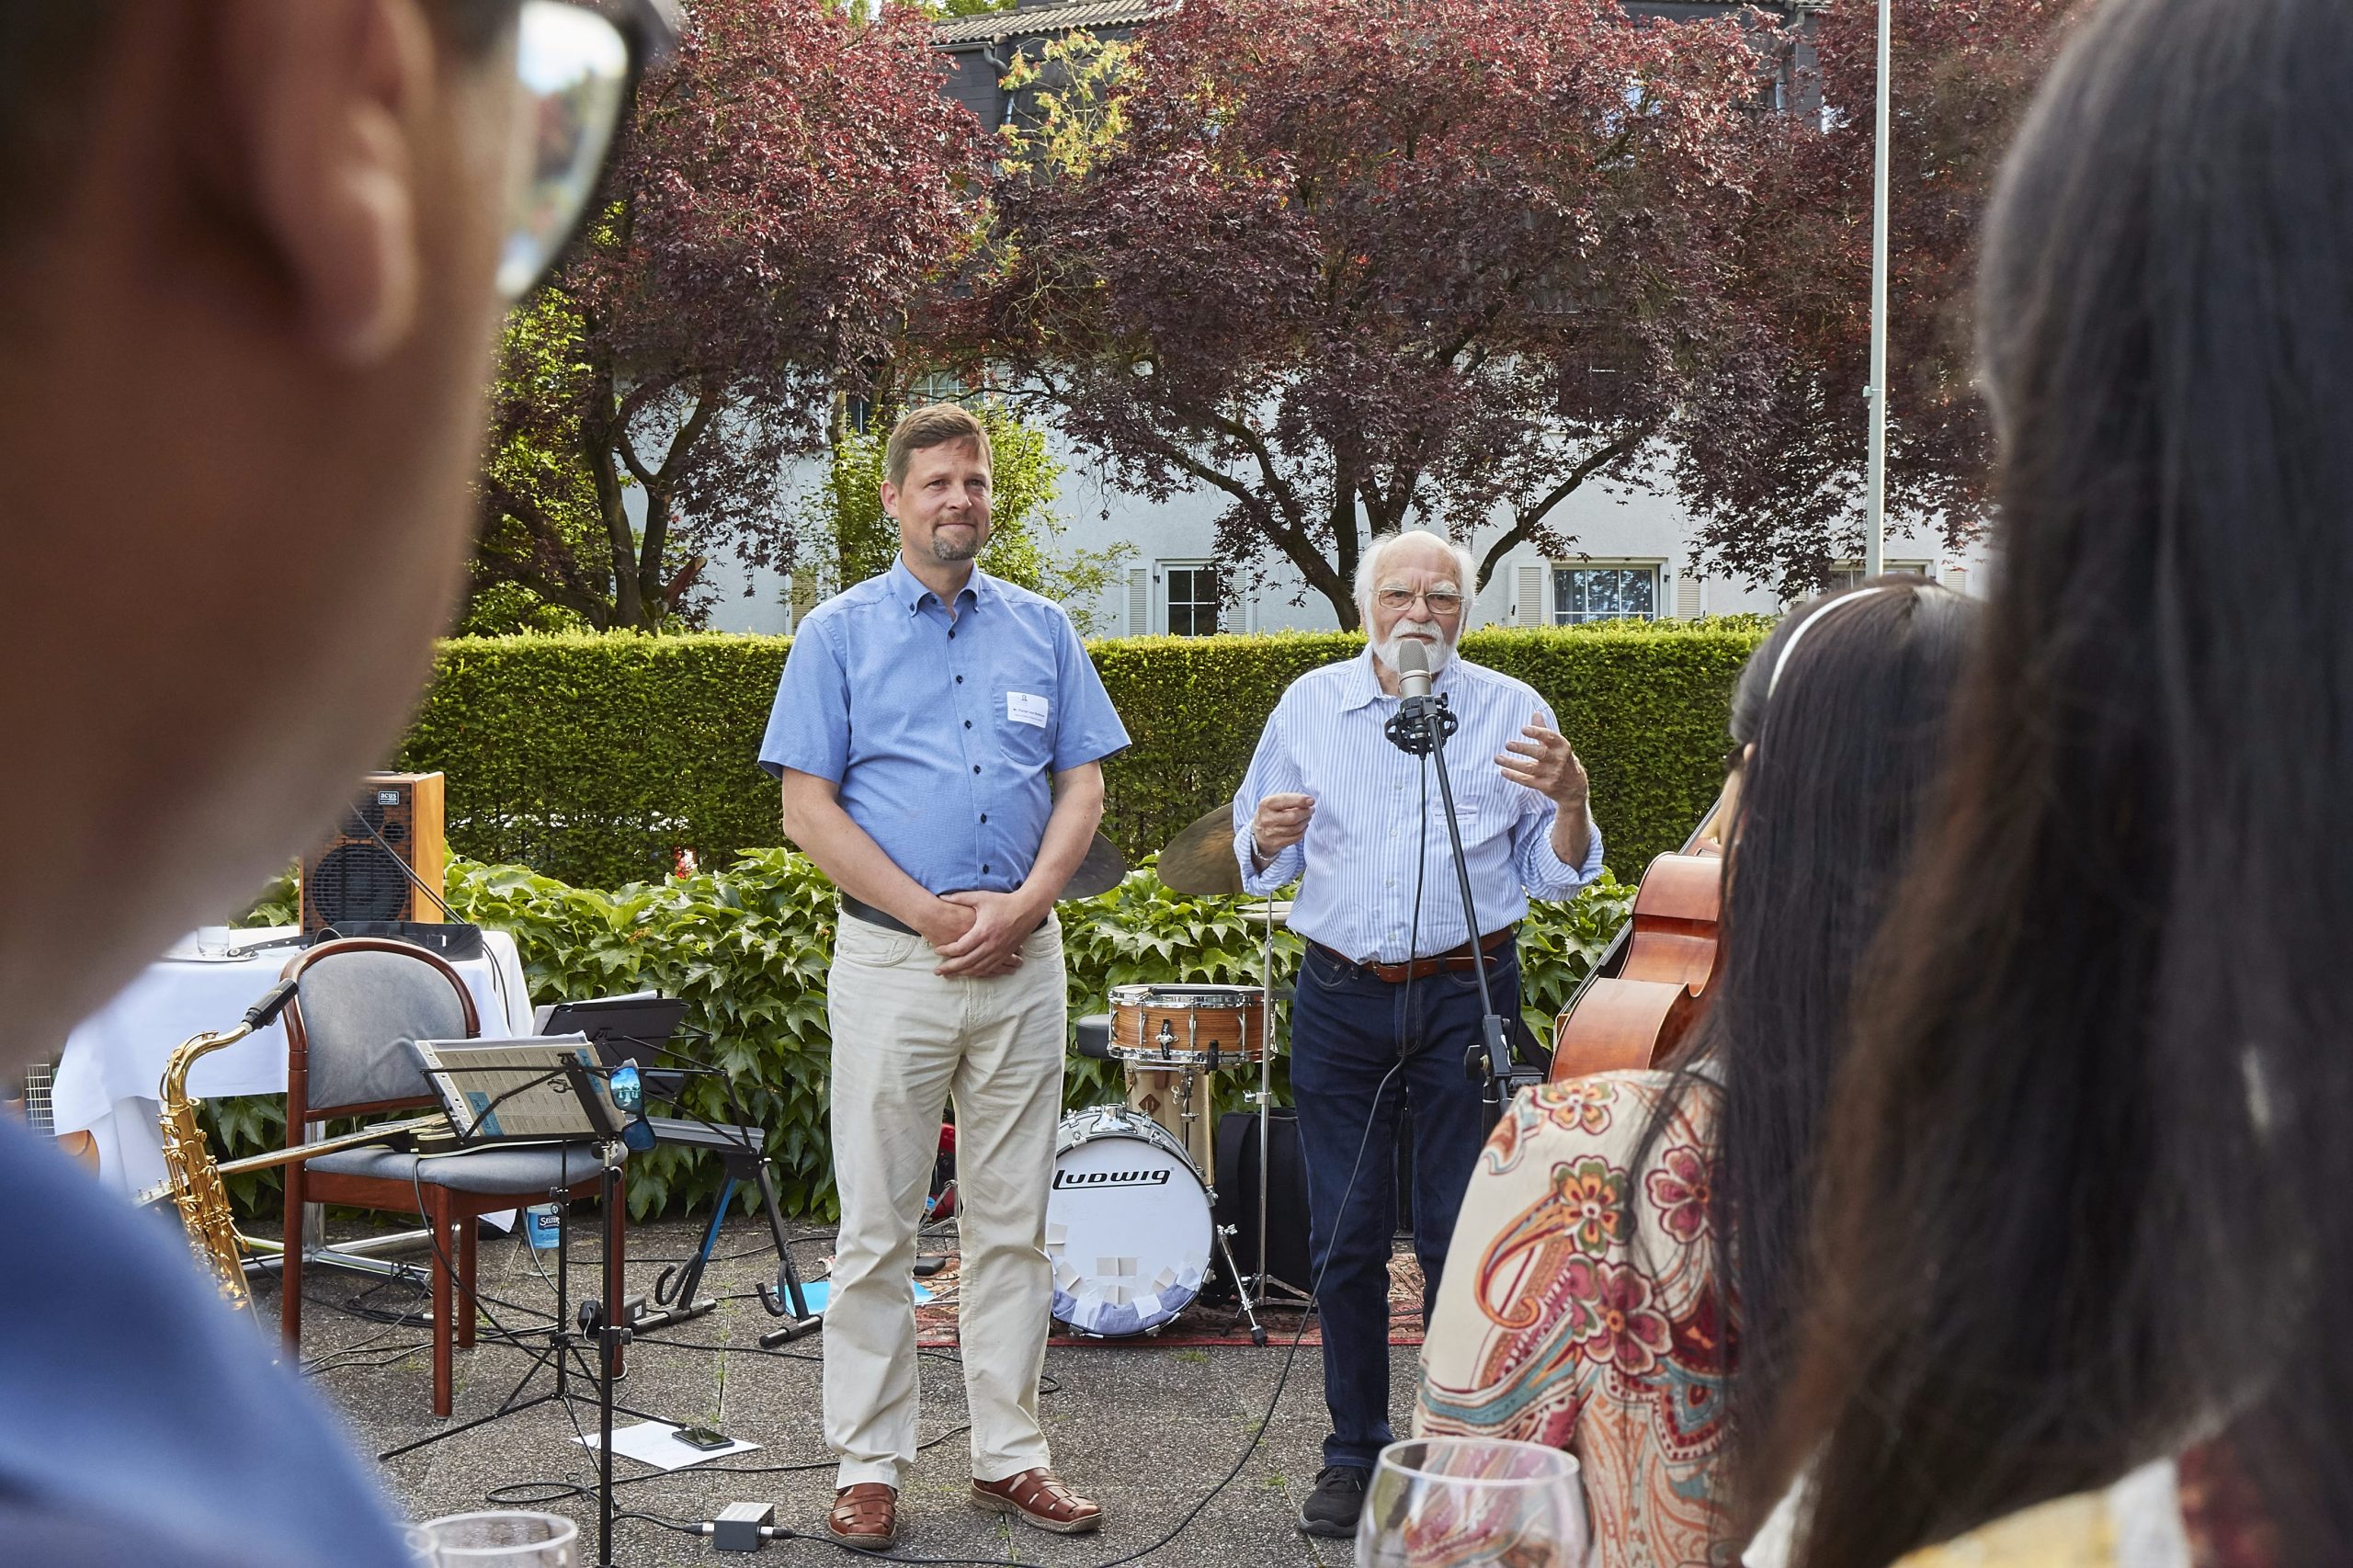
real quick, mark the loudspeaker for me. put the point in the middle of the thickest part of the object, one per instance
(352, 878)
(1288, 1258)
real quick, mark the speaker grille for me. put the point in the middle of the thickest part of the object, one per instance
(357, 881)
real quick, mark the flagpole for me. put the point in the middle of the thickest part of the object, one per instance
(1875, 522)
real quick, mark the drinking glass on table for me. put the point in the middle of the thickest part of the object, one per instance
(1458, 1501)
(502, 1539)
(421, 1550)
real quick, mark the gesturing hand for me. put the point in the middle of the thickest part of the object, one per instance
(992, 944)
(1279, 822)
(1546, 763)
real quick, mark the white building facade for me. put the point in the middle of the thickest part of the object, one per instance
(1631, 558)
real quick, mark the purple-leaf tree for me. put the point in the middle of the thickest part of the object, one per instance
(1354, 266)
(1780, 496)
(785, 191)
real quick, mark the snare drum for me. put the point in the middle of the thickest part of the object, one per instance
(1127, 1223)
(1208, 1027)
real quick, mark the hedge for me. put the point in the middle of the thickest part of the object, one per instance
(747, 947)
(592, 758)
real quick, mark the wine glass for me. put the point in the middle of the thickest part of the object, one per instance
(502, 1539)
(1454, 1502)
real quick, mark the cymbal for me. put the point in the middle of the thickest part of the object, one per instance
(1099, 872)
(1200, 861)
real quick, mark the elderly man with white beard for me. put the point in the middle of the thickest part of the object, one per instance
(1388, 999)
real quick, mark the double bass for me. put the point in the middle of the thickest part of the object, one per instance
(1654, 980)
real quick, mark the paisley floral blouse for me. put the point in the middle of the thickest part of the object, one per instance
(1580, 1310)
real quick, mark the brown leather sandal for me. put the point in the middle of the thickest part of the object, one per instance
(1039, 1496)
(864, 1515)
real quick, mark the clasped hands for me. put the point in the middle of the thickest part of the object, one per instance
(978, 935)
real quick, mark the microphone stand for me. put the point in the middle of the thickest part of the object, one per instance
(1420, 727)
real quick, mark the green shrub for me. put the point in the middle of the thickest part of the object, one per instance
(593, 758)
(747, 949)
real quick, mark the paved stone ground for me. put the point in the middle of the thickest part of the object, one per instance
(1145, 1430)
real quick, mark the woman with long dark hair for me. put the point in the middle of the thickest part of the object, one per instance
(2091, 1196)
(1591, 1310)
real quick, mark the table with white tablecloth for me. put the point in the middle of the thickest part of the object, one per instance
(113, 1064)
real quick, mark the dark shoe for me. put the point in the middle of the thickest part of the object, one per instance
(1039, 1496)
(1331, 1508)
(864, 1515)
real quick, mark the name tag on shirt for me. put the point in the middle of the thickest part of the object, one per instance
(1023, 708)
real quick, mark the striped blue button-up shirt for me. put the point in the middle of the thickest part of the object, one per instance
(1368, 838)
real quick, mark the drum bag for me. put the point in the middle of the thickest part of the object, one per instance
(1237, 1197)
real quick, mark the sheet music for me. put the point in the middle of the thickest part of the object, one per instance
(512, 1089)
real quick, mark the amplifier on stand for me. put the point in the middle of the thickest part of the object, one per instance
(354, 877)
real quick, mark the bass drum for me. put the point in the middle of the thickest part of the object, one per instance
(1127, 1223)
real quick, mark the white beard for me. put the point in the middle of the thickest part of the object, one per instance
(1440, 648)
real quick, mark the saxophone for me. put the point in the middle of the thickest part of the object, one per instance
(193, 1179)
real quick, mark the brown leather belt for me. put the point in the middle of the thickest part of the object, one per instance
(1455, 960)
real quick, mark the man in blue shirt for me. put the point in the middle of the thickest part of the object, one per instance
(939, 734)
(1387, 989)
(250, 280)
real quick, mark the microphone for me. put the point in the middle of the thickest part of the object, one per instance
(1421, 721)
(1413, 670)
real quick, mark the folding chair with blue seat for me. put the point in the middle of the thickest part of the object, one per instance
(358, 1004)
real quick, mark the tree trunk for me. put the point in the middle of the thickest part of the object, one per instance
(1347, 547)
(598, 438)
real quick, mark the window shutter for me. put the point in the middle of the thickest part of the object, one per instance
(1139, 602)
(1957, 579)
(1687, 596)
(1527, 600)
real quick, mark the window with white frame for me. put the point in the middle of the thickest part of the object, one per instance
(1189, 590)
(1591, 591)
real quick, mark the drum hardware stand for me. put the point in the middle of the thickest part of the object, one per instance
(1258, 1291)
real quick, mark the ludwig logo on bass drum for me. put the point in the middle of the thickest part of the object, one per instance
(1063, 1179)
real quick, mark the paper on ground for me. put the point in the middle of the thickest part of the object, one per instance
(649, 1442)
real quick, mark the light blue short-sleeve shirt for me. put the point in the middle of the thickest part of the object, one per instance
(943, 731)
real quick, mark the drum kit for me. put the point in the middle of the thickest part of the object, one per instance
(1130, 1223)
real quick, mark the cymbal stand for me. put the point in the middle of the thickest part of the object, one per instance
(1259, 1290)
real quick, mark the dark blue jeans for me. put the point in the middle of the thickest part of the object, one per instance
(1348, 1028)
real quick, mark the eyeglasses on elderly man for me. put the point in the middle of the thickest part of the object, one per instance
(1442, 602)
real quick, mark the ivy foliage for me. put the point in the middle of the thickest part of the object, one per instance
(595, 758)
(746, 948)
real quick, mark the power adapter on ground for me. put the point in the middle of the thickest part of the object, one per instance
(744, 1527)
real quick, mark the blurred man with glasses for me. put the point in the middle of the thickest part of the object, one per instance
(1388, 999)
(253, 256)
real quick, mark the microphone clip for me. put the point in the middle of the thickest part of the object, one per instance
(1420, 725)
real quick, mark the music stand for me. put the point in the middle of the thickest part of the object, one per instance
(624, 1029)
(545, 1091)
(638, 1028)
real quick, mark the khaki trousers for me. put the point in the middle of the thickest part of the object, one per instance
(905, 1042)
